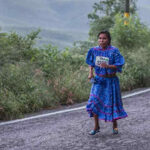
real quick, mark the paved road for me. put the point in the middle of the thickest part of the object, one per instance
(69, 131)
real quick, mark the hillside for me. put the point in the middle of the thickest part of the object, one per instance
(61, 21)
(59, 38)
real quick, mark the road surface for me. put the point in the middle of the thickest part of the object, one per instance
(69, 131)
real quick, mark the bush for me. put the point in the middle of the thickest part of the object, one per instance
(23, 90)
(65, 73)
(131, 36)
(15, 48)
(136, 72)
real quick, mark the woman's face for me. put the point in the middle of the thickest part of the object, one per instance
(103, 40)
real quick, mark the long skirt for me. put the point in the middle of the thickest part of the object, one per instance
(105, 99)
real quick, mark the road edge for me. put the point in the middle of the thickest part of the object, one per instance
(67, 110)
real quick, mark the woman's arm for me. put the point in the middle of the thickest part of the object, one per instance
(90, 72)
(112, 67)
(104, 65)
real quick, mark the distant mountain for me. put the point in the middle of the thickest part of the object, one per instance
(62, 17)
(62, 21)
(49, 14)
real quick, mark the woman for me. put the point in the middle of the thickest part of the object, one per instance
(105, 98)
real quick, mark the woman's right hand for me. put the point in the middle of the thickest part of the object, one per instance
(90, 76)
(90, 72)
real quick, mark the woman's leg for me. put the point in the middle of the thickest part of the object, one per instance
(96, 125)
(115, 125)
(96, 122)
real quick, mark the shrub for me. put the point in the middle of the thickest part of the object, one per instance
(23, 87)
(136, 72)
(131, 36)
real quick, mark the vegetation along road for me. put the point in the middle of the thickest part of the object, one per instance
(69, 131)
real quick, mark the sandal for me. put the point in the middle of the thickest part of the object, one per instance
(115, 131)
(93, 132)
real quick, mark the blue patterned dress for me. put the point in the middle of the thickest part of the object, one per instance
(105, 97)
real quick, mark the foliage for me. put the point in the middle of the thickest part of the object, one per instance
(81, 47)
(14, 47)
(104, 23)
(32, 79)
(131, 36)
(136, 72)
(102, 17)
(23, 88)
(61, 70)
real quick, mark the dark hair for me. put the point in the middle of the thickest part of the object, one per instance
(107, 34)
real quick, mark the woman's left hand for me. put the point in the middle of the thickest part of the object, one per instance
(104, 65)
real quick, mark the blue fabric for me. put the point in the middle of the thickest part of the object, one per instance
(115, 58)
(105, 97)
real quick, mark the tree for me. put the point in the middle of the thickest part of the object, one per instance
(14, 48)
(102, 17)
(132, 36)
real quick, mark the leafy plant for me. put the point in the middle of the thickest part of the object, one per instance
(131, 36)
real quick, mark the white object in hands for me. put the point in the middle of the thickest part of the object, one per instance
(100, 60)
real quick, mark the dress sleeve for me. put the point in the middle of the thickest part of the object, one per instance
(90, 58)
(118, 60)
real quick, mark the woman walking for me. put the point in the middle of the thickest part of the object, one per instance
(105, 98)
